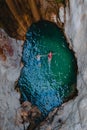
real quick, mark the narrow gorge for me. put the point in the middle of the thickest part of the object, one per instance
(16, 17)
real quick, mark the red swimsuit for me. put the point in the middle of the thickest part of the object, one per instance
(50, 56)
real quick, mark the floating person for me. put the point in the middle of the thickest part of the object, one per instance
(50, 55)
(38, 57)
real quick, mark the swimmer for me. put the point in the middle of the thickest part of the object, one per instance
(38, 57)
(50, 55)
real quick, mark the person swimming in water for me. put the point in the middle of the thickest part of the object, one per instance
(50, 55)
(38, 57)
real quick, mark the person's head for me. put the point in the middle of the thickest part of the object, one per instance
(50, 51)
(38, 56)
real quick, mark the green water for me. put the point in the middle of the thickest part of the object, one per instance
(47, 85)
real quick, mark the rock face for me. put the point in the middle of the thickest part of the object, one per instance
(9, 72)
(17, 16)
(73, 114)
(76, 31)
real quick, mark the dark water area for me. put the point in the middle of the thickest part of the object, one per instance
(49, 75)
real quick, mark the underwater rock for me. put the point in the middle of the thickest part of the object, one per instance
(49, 75)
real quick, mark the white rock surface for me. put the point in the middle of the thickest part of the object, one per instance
(9, 98)
(76, 32)
(61, 14)
(73, 114)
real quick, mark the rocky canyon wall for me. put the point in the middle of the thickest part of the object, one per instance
(71, 115)
(17, 16)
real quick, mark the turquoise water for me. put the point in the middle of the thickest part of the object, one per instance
(47, 84)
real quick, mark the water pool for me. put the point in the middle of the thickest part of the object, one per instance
(49, 75)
